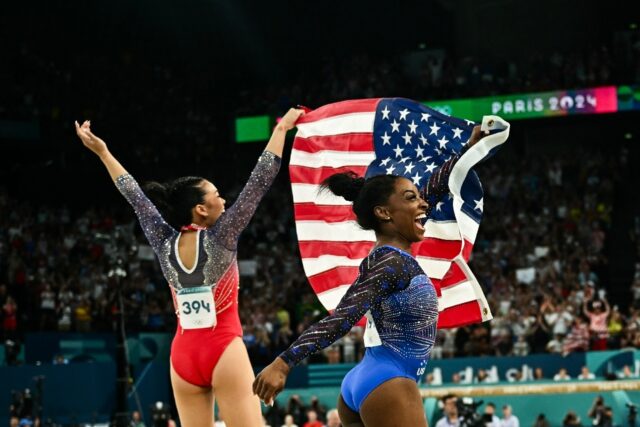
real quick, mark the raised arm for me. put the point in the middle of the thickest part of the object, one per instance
(438, 185)
(236, 218)
(380, 275)
(585, 308)
(154, 226)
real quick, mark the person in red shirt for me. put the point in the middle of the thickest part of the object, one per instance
(312, 420)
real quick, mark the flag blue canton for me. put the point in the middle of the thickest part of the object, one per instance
(412, 140)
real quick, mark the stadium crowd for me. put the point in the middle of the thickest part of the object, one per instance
(541, 254)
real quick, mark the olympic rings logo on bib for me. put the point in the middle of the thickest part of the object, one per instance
(196, 307)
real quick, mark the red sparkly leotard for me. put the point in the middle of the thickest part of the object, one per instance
(195, 352)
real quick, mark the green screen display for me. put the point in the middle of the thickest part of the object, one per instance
(251, 129)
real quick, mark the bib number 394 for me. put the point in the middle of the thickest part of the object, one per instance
(196, 307)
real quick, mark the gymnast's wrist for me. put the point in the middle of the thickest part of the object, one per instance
(281, 365)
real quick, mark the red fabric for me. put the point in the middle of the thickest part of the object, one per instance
(10, 321)
(599, 344)
(196, 352)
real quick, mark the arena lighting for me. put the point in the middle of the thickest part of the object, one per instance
(560, 103)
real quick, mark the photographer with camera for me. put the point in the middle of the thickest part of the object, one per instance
(602, 415)
(450, 410)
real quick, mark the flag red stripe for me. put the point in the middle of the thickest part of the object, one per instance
(330, 279)
(339, 108)
(351, 142)
(313, 212)
(454, 276)
(437, 248)
(317, 248)
(466, 250)
(307, 175)
(460, 315)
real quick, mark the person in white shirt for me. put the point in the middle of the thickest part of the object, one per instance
(450, 409)
(562, 375)
(509, 420)
(288, 421)
(586, 375)
(333, 420)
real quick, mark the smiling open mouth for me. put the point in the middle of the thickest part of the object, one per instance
(420, 221)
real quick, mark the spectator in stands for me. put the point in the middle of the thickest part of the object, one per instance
(450, 411)
(296, 408)
(136, 420)
(598, 325)
(320, 410)
(541, 421)
(562, 375)
(9, 318)
(585, 374)
(333, 420)
(490, 413)
(571, 420)
(455, 378)
(615, 328)
(288, 421)
(626, 372)
(508, 419)
(538, 374)
(555, 345)
(578, 338)
(312, 419)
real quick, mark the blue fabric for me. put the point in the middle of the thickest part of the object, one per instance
(379, 365)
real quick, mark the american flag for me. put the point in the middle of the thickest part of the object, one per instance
(401, 137)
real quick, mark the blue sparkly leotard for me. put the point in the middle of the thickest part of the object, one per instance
(195, 352)
(401, 306)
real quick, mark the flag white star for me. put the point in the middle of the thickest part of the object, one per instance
(479, 204)
(398, 151)
(425, 117)
(395, 126)
(425, 159)
(443, 142)
(434, 129)
(385, 113)
(416, 179)
(403, 114)
(404, 159)
(439, 151)
(385, 161)
(386, 139)
(423, 140)
(419, 151)
(469, 122)
(390, 170)
(439, 206)
(408, 168)
(457, 133)
(407, 138)
(413, 126)
(431, 167)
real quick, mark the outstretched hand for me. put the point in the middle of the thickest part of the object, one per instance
(92, 142)
(271, 381)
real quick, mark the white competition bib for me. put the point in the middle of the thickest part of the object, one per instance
(371, 337)
(196, 308)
